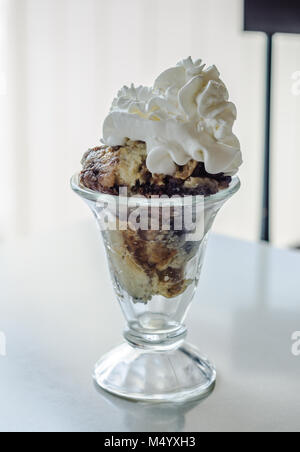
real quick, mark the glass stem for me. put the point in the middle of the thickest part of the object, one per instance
(155, 341)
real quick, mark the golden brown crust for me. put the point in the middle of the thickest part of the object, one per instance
(184, 172)
(100, 168)
(108, 168)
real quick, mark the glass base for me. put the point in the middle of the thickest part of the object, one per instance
(178, 375)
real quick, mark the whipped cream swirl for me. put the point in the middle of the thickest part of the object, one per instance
(186, 115)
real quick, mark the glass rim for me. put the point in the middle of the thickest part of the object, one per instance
(96, 196)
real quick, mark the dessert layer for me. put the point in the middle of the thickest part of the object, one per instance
(149, 263)
(107, 168)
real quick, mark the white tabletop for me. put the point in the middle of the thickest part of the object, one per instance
(59, 315)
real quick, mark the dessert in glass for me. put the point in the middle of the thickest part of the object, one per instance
(167, 164)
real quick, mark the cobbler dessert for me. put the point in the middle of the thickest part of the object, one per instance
(173, 139)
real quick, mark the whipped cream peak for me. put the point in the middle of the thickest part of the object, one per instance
(185, 115)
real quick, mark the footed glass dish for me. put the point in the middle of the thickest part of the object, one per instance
(155, 249)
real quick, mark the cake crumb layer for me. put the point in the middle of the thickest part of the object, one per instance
(108, 168)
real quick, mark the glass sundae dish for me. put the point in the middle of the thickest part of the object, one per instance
(166, 166)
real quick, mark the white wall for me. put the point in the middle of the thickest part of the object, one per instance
(69, 57)
(6, 198)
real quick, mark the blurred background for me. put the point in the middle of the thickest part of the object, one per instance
(61, 63)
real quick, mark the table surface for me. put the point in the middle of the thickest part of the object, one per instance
(59, 315)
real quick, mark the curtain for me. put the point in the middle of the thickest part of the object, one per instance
(62, 61)
(5, 185)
